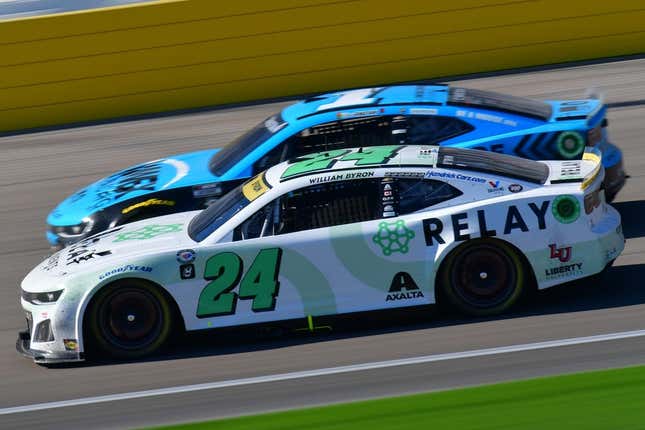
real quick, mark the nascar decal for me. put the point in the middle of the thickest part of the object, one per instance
(325, 160)
(224, 271)
(461, 222)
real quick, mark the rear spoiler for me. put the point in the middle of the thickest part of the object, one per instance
(584, 171)
(592, 108)
(594, 156)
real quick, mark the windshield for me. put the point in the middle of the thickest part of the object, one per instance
(211, 218)
(235, 151)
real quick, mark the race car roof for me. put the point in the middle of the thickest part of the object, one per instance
(410, 156)
(433, 95)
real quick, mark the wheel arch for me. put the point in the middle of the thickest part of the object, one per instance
(87, 300)
(440, 262)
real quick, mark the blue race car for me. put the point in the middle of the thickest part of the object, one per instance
(406, 114)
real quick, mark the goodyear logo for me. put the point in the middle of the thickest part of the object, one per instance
(149, 202)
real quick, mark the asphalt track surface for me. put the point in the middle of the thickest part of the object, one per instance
(38, 170)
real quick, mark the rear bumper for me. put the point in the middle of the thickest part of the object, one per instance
(615, 178)
(579, 256)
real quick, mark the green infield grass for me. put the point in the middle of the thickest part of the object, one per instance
(608, 399)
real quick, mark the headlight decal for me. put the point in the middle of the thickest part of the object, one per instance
(42, 298)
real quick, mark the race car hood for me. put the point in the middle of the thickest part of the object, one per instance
(127, 244)
(163, 174)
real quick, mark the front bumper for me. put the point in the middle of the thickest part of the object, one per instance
(50, 336)
(44, 357)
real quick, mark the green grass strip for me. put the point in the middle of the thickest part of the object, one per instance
(609, 399)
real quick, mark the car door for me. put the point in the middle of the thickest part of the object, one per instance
(344, 247)
(323, 249)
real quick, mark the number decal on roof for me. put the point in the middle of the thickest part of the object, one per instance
(224, 271)
(326, 160)
(351, 98)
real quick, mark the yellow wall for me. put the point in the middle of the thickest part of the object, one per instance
(181, 54)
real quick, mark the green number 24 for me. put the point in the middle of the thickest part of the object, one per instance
(224, 271)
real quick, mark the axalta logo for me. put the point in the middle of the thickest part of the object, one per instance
(563, 254)
(458, 176)
(400, 282)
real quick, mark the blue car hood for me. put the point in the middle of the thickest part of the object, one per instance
(136, 181)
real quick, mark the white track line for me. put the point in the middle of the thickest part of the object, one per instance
(324, 372)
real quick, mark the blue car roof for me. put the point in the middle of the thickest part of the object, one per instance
(400, 94)
(437, 95)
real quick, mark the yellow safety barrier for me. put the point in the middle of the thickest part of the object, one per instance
(172, 55)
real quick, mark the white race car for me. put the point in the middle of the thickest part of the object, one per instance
(330, 233)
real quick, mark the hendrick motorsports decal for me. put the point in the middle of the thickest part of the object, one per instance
(458, 176)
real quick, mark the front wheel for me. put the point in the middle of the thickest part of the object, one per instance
(129, 319)
(483, 277)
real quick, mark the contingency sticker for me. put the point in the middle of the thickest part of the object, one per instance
(255, 187)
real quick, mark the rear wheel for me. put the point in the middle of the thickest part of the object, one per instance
(483, 277)
(129, 319)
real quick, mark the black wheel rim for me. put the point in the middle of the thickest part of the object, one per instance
(130, 318)
(483, 276)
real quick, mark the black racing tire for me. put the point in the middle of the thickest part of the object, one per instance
(483, 277)
(128, 319)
